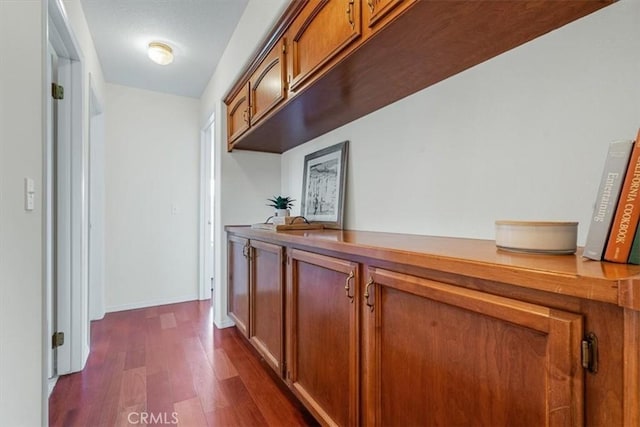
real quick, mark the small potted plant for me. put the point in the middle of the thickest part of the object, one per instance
(281, 205)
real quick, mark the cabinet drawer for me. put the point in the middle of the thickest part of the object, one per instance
(320, 33)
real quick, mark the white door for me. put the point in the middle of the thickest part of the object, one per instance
(67, 225)
(50, 241)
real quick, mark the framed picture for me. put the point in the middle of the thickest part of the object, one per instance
(323, 188)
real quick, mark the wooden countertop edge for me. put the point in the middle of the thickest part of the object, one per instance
(624, 292)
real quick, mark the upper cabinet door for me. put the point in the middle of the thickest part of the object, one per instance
(321, 31)
(268, 83)
(238, 115)
(380, 12)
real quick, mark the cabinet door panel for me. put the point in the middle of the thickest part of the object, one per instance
(323, 346)
(381, 9)
(238, 284)
(267, 302)
(322, 31)
(268, 84)
(238, 115)
(470, 359)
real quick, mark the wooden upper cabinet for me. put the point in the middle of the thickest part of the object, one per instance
(378, 13)
(238, 282)
(267, 302)
(268, 83)
(238, 115)
(438, 354)
(319, 34)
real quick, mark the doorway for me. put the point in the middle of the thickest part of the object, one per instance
(207, 211)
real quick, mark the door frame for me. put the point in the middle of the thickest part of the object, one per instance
(95, 200)
(207, 215)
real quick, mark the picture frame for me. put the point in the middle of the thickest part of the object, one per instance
(324, 185)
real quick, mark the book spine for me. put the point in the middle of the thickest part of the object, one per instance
(607, 199)
(634, 256)
(625, 219)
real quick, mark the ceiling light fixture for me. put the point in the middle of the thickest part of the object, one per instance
(160, 53)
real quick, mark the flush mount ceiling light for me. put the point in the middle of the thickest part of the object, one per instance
(160, 53)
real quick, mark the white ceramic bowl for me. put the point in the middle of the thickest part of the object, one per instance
(548, 237)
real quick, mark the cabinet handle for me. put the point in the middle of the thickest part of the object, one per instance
(349, 14)
(366, 293)
(245, 251)
(245, 116)
(371, 5)
(347, 286)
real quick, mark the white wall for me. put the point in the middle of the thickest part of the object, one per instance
(151, 215)
(521, 136)
(21, 242)
(244, 180)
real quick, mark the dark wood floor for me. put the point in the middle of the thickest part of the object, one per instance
(168, 364)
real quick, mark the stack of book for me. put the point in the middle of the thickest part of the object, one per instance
(614, 234)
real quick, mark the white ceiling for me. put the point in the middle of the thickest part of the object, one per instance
(197, 30)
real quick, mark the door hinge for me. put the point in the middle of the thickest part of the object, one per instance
(590, 353)
(57, 339)
(57, 91)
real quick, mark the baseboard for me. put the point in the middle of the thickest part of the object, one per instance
(51, 384)
(226, 323)
(151, 303)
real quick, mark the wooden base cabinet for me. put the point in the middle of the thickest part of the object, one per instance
(323, 348)
(256, 296)
(267, 303)
(238, 282)
(392, 330)
(437, 354)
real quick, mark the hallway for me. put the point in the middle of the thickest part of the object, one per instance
(169, 365)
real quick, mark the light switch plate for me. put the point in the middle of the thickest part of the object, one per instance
(29, 194)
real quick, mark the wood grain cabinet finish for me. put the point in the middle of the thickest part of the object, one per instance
(238, 282)
(378, 13)
(267, 302)
(238, 115)
(268, 84)
(348, 58)
(323, 336)
(437, 354)
(386, 329)
(320, 33)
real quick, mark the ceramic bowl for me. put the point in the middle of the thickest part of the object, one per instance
(548, 237)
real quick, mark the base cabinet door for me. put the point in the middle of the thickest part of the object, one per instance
(238, 282)
(436, 354)
(322, 335)
(267, 302)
